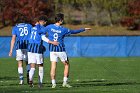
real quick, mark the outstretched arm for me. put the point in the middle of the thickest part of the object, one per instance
(12, 44)
(80, 30)
(44, 38)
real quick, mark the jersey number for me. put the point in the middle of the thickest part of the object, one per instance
(55, 36)
(33, 34)
(23, 31)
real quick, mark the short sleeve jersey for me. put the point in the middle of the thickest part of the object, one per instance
(22, 32)
(35, 40)
(56, 33)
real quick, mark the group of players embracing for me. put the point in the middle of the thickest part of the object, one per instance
(28, 41)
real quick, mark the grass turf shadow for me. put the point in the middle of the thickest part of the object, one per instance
(102, 83)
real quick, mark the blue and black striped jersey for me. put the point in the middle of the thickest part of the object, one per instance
(35, 41)
(36, 48)
(57, 33)
(22, 32)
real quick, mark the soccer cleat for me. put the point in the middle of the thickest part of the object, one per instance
(40, 85)
(21, 82)
(66, 85)
(53, 85)
(31, 84)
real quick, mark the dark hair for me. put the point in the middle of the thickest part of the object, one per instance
(43, 17)
(59, 17)
(21, 19)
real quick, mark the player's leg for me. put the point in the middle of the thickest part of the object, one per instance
(27, 65)
(32, 62)
(63, 57)
(27, 69)
(53, 59)
(19, 58)
(41, 69)
(66, 74)
(31, 74)
(53, 73)
(20, 71)
(40, 75)
(66, 71)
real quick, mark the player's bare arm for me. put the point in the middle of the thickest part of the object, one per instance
(44, 38)
(53, 42)
(12, 44)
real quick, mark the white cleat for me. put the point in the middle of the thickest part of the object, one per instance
(21, 82)
(66, 85)
(53, 85)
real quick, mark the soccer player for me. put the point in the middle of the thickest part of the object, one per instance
(36, 49)
(20, 35)
(56, 32)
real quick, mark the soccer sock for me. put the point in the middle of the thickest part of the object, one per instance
(28, 68)
(53, 81)
(20, 71)
(31, 73)
(65, 79)
(41, 73)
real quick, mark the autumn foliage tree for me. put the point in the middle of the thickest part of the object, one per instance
(12, 9)
(132, 19)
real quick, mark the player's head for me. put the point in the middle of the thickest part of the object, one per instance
(42, 20)
(21, 19)
(59, 18)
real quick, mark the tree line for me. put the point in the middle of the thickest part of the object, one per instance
(10, 10)
(93, 12)
(100, 12)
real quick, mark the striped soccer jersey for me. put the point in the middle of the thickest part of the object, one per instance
(35, 41)
(22, 32)
(57, 33)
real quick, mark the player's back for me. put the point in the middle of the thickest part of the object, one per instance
(22, 32)
(36, 33)
(57, 33)
(35, 41)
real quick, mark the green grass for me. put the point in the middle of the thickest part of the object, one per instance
(87, 75)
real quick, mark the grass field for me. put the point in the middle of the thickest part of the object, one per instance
(87, 75)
